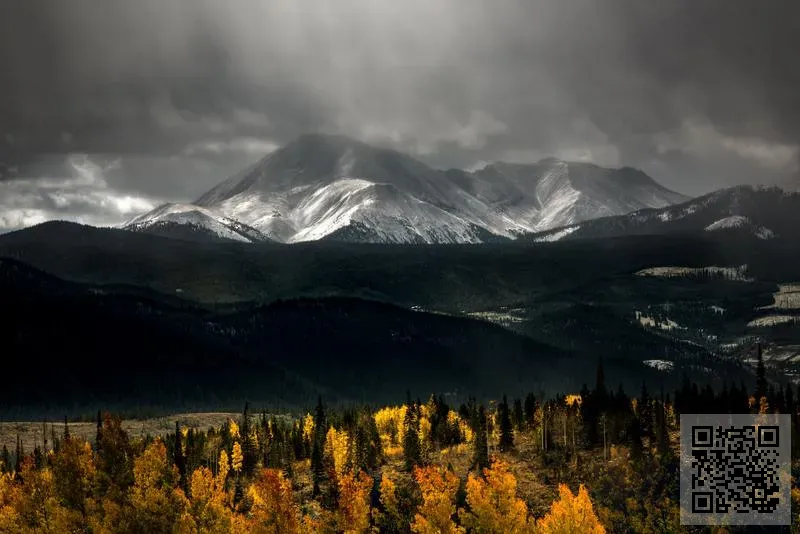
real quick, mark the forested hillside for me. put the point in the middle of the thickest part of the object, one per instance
(590, 462)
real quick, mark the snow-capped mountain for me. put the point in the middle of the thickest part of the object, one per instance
(761, 212)
(332, 187)
(191, 222)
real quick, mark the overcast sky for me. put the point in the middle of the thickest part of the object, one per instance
(167, 97)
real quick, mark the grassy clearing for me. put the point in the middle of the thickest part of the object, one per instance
(30, 433)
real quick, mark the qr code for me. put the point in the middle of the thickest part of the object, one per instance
(735, 469)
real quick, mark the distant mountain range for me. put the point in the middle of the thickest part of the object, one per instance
(335, 188)
(761, 212)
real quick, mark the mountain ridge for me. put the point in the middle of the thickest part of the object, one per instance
(761, 212)
(323, 186)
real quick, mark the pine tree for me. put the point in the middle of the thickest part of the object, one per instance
(480, 456)
(645, 408)
(318, 446)
(248, 450)
(98, 436)
(506, 431)
(179, 459)
(519, 416)
(5, 460)
(412, 449)
(761, 378)
(19, 453)
(530, 410)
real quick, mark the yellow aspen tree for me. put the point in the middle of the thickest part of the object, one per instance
(389, 421)
(353, 513)
(390, 517)
(158, 505)
(9, 496)
(223, 469)
(233, 429)
(308, 427)
(274, 509)
(493, 503)
(207, 507)
(570, 514)
(435, 515)
(236, 457)
(336, 446)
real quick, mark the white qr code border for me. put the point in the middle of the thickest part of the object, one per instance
(715, 473)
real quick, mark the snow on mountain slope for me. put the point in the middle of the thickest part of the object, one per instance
(740, 222)
(321, 185)
(554, 193)
(763, 212)
(187, 219)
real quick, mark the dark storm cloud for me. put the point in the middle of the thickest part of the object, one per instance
(699, 94)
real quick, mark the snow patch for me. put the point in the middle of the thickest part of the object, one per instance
(772, 320)
(661, 365)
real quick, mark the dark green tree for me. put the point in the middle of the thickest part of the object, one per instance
(761, 375)
(412, 449)
(178, 457)
(645, 409)
(519, 416)
(530, 410)
(97, 438)
(480, 455)
(506, 431)
(18, 455)
(5, 460)
(318, 447)
(249, 453)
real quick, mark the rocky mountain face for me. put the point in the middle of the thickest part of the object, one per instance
(332, 187)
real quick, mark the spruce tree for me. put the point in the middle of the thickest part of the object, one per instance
(19, 453)
(98, 436)
(519, 416)
(318, 446)
(506, 431)
(178, 457)
(5, 460)
(480, 456)
(645, 408)
(248, 450)
(761, 375)
(412, 449)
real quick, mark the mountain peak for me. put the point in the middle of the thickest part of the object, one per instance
(324, 184)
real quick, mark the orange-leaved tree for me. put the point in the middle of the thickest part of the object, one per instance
(353, 512)
(435, 515)
(570, 514)
(493, 503)
(273, 509)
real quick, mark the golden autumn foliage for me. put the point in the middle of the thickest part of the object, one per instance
(336, 447)
(573, 399)
(74, 473)
(158, 505)
(274, 509)
(237, 457)
(233, 429)
(223, 469)
(353, 513)
(389, 421)
(493, 503)
(435, 515)
(570, 514)
(308, 427)
(208, 503)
